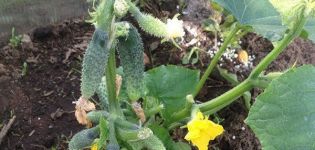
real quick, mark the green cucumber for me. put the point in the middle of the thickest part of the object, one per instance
(102, 94)
(131, 57)
(103, 15)
(147, 22)
(84, 138)
(151, 143)
(94, 63)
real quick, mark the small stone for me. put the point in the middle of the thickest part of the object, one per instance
(51, 126)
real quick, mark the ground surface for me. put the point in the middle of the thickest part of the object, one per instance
(42, 98)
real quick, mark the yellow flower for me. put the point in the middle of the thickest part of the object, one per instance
(94, 147)
(201, 131)
(174, 28)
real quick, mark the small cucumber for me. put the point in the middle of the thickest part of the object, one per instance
(83, 138)
(131, 57)
(151, 143)
(94, 63)
(148, 23)
(102, 94)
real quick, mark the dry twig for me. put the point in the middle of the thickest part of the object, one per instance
(6, 128)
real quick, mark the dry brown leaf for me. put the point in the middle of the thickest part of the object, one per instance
(139, 111)
(82, 106)
(146, 59)
(81, 116)
(58, 113)
(118, 84)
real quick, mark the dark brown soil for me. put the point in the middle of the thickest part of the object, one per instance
(53, 78)
(50, 84)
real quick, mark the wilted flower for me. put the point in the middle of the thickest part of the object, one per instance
(82, 106)
(174, 28)
(243, 56)
(201, 131)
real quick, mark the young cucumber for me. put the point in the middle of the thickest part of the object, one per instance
(94, 63)
(131, 57)
(84, 138)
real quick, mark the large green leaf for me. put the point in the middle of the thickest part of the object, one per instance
(310, 28)
(171, 85)
(288, 10)
(283, 117)
(259, 14)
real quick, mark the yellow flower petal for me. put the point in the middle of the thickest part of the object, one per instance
(94, 147)
(201, 131)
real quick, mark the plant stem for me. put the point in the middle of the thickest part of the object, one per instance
(111, 84)
(215, 60)
(294, 32)
(227, 98)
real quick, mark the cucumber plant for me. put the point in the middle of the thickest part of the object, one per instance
(128, 115)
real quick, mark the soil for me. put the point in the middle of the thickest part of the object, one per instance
(42, 98)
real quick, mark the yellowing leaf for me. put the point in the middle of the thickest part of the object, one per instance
(286, 8)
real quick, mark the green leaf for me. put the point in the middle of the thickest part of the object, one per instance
(310, 28)
(167, 140)
(163, 135)
(259, 14)
(170, 85)
(286, 8)
(283, 117)
(290, 8)
(181, 146)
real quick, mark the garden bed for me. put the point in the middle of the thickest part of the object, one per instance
(42, 98)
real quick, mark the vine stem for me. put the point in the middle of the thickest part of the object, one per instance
(110, 73)
(227, 98)
(230, 96)
(279, 48)
(111, 84)
(215, 60)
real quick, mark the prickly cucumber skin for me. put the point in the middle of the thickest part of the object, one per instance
(94, 63)
(151, 143)
(112, 147)
(148, 23)
(83, 138)
(103, 15)
(102, 94)
(131, 57)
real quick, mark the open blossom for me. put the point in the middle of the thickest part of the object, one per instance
(175, 28)
(94, 146)
(201, 131)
